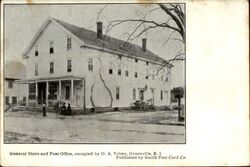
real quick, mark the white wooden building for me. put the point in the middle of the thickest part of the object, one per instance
(68, 63)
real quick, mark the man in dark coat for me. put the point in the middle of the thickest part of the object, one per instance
(69, 111)
(44, 110)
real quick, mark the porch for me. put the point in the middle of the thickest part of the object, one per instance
(50, 91)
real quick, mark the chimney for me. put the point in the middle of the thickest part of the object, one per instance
(99, 29)
(144, 42)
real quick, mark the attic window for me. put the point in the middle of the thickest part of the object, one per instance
(36, 50)
(51, 47)
(69, 44)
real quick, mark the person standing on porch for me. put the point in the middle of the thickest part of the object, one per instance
(44, 110)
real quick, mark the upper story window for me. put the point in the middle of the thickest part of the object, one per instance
(69, 66)
(69, 43)
(136, 75)
(119, 71)
(36, 69)
(10, 84)
(146, 77)
(147, 63)
(126, 73)
(136, 60)
(51, 47)
(117, 93)
(36, 50)
(90, 64)
(51, 67)
(110, 71)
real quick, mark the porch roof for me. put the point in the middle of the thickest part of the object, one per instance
(57, 78)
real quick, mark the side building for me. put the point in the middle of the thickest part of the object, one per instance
(88, 69)
(14, 92)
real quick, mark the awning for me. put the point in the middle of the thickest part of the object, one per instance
(49, 79)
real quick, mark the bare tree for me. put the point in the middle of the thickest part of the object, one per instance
(175, 21)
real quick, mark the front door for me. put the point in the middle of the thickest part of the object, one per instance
(78, 97)
(141, 95)
(41, 93)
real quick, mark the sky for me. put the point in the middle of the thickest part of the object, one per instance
(23, 21)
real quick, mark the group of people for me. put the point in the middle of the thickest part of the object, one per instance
(64, 110)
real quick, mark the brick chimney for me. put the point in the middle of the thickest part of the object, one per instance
(99, 29)
(144, 44)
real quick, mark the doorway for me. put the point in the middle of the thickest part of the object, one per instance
(141, 95)
(41, 93)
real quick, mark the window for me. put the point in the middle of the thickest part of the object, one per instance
(166, 94)
(119, 71)
(14, 100)
(126, 73)
(166, 79)
(117, 93)
(36, 69)
(134, 94)
(141, 95)
(51, 47)
(10, 84)
(51, 67)
(24, 99)
(52, 91)
(69, 43)
(36, 50)
(110, 71)
(90, 64)
(69, 66)
(136, 75)
(32, 91)
(146, 77)
(136, 60)
(7, 100)
(161, 95)
(147, 63)
(67, 96)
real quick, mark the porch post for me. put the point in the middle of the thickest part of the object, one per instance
(17, 94)
(59, 90)
(27, 95)
(72, 90)
(47, 93)
(36, 93)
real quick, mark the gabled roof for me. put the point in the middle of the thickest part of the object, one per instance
(90, 38)
(14, 70)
